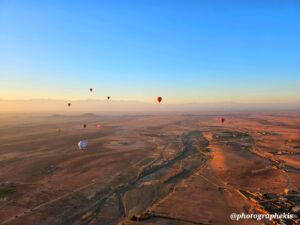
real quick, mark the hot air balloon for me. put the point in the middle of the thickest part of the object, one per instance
(159, 99)
(98, 126)
(82, 145)
(69, 104)
(222, 120)
(84, 125)
(108, 97)
(91, 89)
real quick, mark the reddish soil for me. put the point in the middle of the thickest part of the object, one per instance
(151, 170)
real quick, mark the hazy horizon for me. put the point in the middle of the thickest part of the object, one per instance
(119, 106)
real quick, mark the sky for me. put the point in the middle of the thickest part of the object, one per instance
(184, 50)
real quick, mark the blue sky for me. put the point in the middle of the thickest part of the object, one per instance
(186, 51)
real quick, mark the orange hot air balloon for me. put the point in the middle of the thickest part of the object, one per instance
(159, 99)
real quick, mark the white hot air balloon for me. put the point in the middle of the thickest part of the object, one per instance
(82, 145)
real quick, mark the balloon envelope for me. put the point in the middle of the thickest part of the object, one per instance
(108, 97)
(91, 89)
(82, 145)
(84, 125)
(69, 104)
(222, 120)
(98, 126)
(159, 99)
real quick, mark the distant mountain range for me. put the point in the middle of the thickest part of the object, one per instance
(116, 106)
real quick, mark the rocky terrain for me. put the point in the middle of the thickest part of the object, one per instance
(176, 169)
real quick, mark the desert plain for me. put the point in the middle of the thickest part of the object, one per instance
(148, 169)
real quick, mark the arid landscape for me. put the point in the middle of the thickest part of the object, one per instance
(148, 169)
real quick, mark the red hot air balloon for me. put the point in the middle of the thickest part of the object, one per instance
(159, 99)
(98, 126)
(222, 119)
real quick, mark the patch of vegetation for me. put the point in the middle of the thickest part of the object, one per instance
(7, 189)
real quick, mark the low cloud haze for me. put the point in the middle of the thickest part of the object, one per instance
(118, 106)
